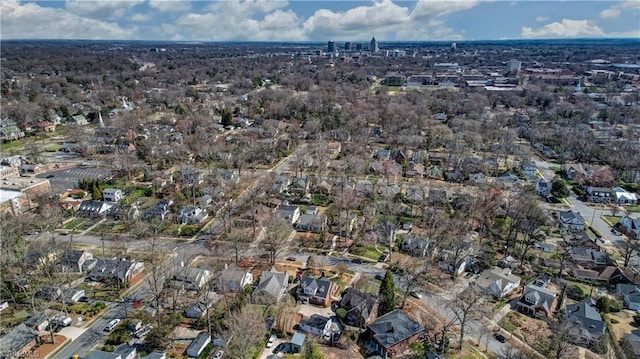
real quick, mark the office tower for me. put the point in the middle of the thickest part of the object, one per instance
(358, 46)
(513, 67)
(347, 46)
(373, 45)
(331, 47)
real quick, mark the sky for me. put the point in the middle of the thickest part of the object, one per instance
(306, 20)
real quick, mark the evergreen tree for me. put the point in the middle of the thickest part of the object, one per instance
(226, 117)
(387, 294)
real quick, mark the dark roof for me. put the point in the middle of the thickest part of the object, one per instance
(15, 340)
(320, 286)
(587, 319)
(354, 298)
(315, 321)
(393, 328)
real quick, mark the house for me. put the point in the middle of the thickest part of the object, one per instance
(315, 291)
(205, 200)
(631, 226)
(198, 344)
(10, 133)
(343, 223)
(46, 126)
(299, 186)
(197, 309)
(322, 326)
(112, 195)
(622, 196)
(630, 294)
(634, 341)
(414, 245)
(364, 188)
(113, 269)
(434, 172)
(72, 260)
(417, 170)
(99, 354)
(234, 279)
(312, 222)
(574, 171)
(589, 257)
(280, 185)
(454, 264)
(78, 120)
(161, 210)
(18, 342)
(291, 214)
(73, 295)
(38, 322)
(602, 274)
(192, 215)
(545, 247)
(192, 176)
(121, 212)
(543, 188)
(587, 326)
(498, 282)
(414, 194)
(599, 194)
(507, 177)
(573, 221)
(271, 287)
(361, 307)
(537, 300)
(438, 197)
(391, 334)
(191, 278)
(529, 168)
(49, 292)
(477, 178)
(93, 209)
(126, 351)
(156, 355)
(385, 233)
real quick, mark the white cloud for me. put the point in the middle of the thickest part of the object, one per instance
(542, 18)
(141, 17)
(429, 8)
(170, 5)
(610, 13)
(31, 21)
(101, 9)
(615, 11)
(565, 28)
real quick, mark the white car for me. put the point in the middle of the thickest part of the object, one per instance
(271, 340)
(218, 355)
(415, 294)
(112, 324)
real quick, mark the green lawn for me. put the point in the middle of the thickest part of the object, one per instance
(74, 223)
(369, 252)
(612, 220)
(11, 147)
(635, 208)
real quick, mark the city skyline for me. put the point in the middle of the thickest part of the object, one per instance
(339, 21)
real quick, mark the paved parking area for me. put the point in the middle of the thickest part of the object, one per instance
(64, 179)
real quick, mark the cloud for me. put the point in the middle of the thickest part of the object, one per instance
(31, 21)
(101, 9)
(430, 9)
(141, 17)
(170, 5)
(565, 28)
(542, 18)
(615, 11)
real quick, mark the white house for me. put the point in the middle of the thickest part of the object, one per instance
(543, 188)
(622, 196)
(112, 195)
(498, 282)
(290, 214)
(572, 221)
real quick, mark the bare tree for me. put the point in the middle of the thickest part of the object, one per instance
(465, 307)
(277, 232)
(245, 329)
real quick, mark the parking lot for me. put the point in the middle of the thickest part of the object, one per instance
(65, 179)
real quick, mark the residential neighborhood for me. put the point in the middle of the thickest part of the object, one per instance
(277, 200)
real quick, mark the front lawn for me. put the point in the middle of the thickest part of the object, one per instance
(369, 252)
(611, 219)
(75, 223)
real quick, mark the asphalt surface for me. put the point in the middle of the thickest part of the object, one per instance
(65, 179)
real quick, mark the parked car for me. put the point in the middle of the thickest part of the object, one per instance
(279, 348)
(501, 338)
(356, 261)
(112, 324)
(84, 299)
(271, 340)
(218, 354)
(382, 258)
(415, 294)
(379, 276)
(292, 259)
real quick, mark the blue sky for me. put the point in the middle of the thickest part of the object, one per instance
(306, 20)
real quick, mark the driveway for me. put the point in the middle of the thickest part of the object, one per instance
(268, 351)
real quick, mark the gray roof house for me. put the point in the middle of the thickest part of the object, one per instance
(161, 210)
(586, 323)
(72, 260)
(291, 214)
(234, 279)
(312, 222)
(361, 307)
(415, 245)
(198, 344)
(112, 195)
(537, 301)
(271, 287)
(630, 294)
(498, 282)
(191, 278)
(17, 342)
(192, 215)
(391, 334)
(571, 220)
(315, 291)
(93, 209)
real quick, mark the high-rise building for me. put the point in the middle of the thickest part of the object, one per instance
(347, 46)
(513, 67)
(373, 45)
(359, 46)
(331, 47)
